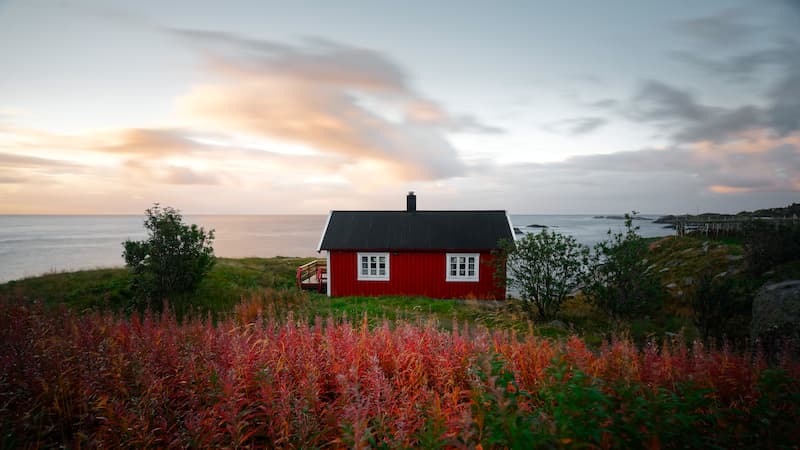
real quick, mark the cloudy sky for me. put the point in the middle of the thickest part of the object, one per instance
(259, 107)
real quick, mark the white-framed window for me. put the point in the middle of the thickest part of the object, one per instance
(373, 266)
(462, 266)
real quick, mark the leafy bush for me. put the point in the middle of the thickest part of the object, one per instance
(720, 305)
(545, 267)
(621, 284)
(769, 244)
(172, 260)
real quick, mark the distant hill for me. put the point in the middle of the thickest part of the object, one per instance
(787, 211)
(792, 210)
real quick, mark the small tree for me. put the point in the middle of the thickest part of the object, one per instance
(722, 307)
(620, 283)
(544, 268)
(172, 260)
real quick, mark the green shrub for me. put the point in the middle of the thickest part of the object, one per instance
(172, 260)
(544, 267)
(620, 282)
(719, 306)
(769, 244)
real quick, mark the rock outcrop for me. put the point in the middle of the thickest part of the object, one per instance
(776, 312)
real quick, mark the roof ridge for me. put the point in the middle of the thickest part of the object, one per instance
(420, 211)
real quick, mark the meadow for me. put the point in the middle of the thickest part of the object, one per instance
(100, 379)
(251, 362)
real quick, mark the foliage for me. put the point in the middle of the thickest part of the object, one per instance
(100, 380)
(621, 285)
(172, 260)
(218, 293)
(499, 408)
(545, 267)
(717, 303)
(770, 244)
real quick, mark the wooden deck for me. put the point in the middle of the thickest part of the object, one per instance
(726, 225)
(313, 276)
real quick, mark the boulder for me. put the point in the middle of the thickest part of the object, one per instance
(776, 312)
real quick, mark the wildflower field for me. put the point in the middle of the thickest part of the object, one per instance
(263, 380)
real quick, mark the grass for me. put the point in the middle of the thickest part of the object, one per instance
(234, 279)
(677, 261)
(220, 291)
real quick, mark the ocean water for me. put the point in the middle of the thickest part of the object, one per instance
(33, 245)
(587, 229)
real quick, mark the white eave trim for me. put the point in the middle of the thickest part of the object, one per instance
(328, 268)
(511, 227)
(325, 230)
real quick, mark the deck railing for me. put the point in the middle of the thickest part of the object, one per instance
(313, 275)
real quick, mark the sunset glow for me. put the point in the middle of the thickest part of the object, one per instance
(107, 107)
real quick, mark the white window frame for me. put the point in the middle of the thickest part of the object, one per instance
(466, 277)
(370, 277)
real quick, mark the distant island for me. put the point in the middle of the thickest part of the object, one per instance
(790, 211)
(617, 217)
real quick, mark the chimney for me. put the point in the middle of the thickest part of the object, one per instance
(411, 202)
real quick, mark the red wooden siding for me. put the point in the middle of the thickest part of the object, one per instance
(412, 273)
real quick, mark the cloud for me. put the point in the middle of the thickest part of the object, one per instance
(321, 60)
(779, 112)
(656, 101)
(576, 127)
(337, 99)
(739, 68)
(742, 174)
(170, 174)
(140, 155)
(784, 112)
(659, 103)
(690, 121)
(15, 160)
(723, 29)
(765, 164)
(16, 168)
(604, 103)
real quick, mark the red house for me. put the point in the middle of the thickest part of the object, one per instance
(439, 254)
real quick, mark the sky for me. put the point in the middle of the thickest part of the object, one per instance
(534, 107)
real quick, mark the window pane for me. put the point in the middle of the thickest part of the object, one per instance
(453, 271)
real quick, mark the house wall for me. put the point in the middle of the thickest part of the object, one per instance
(412, 273)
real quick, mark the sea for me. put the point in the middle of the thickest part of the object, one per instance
(32, 245)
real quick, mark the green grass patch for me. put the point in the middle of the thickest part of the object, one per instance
(263, 280)
(445, 312)
(219, 292)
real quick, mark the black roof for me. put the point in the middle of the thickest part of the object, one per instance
(415, 230)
